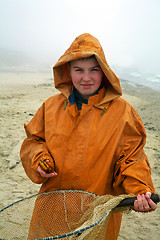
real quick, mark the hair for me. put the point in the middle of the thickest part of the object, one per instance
(84, 59)
(90, 57)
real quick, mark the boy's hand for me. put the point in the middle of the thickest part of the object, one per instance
(144, 203)
(44, 174)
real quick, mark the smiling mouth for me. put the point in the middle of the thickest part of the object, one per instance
(86, 85)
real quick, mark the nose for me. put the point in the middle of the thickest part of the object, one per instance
(86, 77)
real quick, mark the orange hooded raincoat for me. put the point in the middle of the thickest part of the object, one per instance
(97, 149)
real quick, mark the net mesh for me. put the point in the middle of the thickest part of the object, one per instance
(59, 214)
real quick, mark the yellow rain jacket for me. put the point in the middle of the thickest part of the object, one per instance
(97, 149)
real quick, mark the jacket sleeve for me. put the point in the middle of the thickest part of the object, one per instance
(34, 146)
(132, 170)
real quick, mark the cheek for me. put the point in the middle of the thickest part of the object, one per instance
(98, 79)
(75, 78)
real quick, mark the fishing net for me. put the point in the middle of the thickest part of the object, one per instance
(59, 214)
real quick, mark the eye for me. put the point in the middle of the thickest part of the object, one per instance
(78, 70)
(95, 70)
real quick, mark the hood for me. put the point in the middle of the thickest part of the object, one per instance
(85, 45)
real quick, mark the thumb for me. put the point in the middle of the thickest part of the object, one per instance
(148, 195)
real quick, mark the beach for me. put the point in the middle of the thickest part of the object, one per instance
(21, 94)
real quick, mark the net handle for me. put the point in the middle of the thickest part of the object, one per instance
(130, 201)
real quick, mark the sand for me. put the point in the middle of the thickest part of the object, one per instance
(21, 94)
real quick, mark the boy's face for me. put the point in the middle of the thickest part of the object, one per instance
(86, 76)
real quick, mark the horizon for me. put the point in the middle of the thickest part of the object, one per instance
(38, 32)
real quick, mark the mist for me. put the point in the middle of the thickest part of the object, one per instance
(34, 34)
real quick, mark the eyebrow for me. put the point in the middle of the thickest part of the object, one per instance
(97, 66)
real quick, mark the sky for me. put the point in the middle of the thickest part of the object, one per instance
(43, 29)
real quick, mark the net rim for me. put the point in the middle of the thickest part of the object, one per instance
(43, 193)
(63, 192)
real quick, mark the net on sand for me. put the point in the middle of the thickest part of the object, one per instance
(68, 214)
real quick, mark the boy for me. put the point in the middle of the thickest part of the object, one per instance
(91, 137)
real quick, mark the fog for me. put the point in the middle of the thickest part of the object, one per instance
(39, 31)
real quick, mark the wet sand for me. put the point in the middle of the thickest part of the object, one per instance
(22, 94)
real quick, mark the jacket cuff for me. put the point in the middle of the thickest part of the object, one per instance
(42, 156)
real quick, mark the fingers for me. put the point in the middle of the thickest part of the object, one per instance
(48, 175)
(47, 161)
(141, 204)
(144, 203)
(148, 195)
(152, 204)
(44, 174)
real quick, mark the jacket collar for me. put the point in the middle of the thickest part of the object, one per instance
(76, 97)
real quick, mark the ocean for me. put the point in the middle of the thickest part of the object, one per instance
(134, 77)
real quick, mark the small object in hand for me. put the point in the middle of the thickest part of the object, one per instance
(48, 167)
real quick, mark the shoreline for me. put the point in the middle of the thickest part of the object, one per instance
(22, 95)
